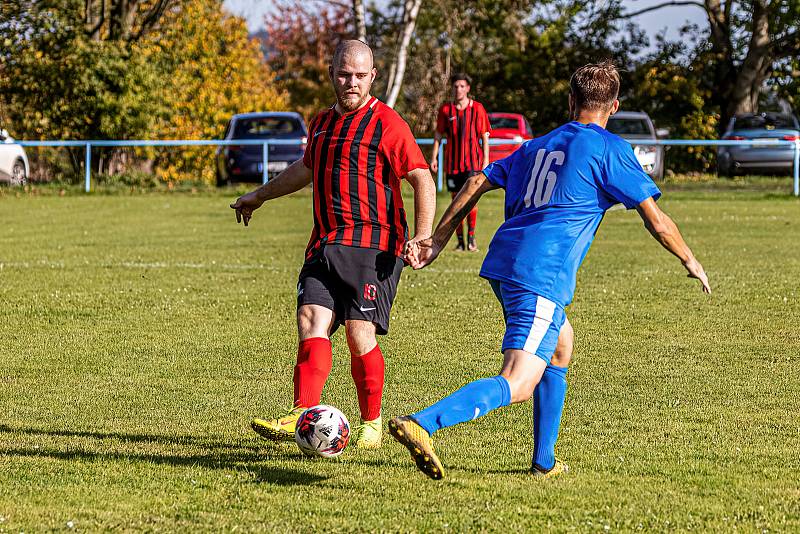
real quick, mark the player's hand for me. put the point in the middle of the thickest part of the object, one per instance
(435, 165)
(245, 205)
(421, 252)
(696, 271)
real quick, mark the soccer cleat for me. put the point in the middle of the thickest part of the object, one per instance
(460, 245)
(419, 443)
(368, 434)
(558, 468)
(280, 429)
(471, 246)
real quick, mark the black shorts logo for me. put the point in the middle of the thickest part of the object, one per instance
(370, 292)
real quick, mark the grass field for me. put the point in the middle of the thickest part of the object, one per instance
(139, 334)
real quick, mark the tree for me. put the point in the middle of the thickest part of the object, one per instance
(212, 71)
(747, 40)
(397, 69)
(360, 20)
(300, 42)
(126, 20)
(520, 54)
(665, 85)
(183, 77)
(59, 84)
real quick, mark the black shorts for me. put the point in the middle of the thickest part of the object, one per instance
(356, 283)
(456, 181)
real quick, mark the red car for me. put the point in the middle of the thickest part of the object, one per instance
(508, 126)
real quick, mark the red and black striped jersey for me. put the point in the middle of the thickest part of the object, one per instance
(358, 160)
(463, 129)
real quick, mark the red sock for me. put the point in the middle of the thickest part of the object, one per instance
(472, 219)
(314, 362)
(367, 371)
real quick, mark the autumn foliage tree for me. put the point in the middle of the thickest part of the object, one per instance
(300, 41)
(129, 69)
(212, 70)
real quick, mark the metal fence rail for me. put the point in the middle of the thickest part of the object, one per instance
(265, 143)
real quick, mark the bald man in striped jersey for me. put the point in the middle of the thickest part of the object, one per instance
(359, 151)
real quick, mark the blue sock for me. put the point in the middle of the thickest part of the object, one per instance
(548, 404)
(470, 402)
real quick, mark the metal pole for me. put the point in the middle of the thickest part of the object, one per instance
(88, 169)
(440, 159)
(797, 167)
(265, 161)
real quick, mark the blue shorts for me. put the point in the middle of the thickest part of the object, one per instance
(532, 321)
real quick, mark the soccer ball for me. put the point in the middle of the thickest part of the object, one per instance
(322, 430)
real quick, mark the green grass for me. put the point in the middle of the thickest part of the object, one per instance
(139, 334)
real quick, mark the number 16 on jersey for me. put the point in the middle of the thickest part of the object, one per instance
(543, 180)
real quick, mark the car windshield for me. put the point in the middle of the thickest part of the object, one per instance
(265, 127)
(765, 122)
(499, 123)
(628, 126)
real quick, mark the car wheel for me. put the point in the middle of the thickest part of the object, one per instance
(18, 176)
(221, 181)
(725, 170)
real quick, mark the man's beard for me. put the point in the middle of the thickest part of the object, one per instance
(351, 104)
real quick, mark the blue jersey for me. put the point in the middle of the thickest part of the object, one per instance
(558, 187)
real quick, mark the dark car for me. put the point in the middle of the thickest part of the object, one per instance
(771, 156)
(245, 163)
(512, 126)
(635, 126)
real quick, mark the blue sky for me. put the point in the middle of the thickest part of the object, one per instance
(669, 18)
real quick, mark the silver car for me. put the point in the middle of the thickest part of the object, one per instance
(14, 168)
(634, 126)
(772, 156)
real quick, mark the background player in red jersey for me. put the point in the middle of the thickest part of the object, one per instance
(466, 125)
(358, 152)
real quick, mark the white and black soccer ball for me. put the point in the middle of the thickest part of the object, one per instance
(322, 430)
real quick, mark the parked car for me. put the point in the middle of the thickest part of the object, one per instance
(772, 157)
(14, 167)
(245, 163)
(636, 125)
(508, 126)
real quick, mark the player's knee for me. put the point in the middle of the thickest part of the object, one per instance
(521, 382)
(521, 390)
(566, 340)
(360, 336)
(310, 323)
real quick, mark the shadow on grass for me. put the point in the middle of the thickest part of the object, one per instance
(226, 456)
(285, 477)
(206, 442)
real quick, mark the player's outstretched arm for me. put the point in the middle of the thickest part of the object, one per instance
(295, 177)
(424, 202)
(422, 253)
(666, 232)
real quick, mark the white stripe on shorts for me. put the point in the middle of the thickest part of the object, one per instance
(541, 322)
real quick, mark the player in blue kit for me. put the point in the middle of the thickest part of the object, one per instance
(558, 188)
